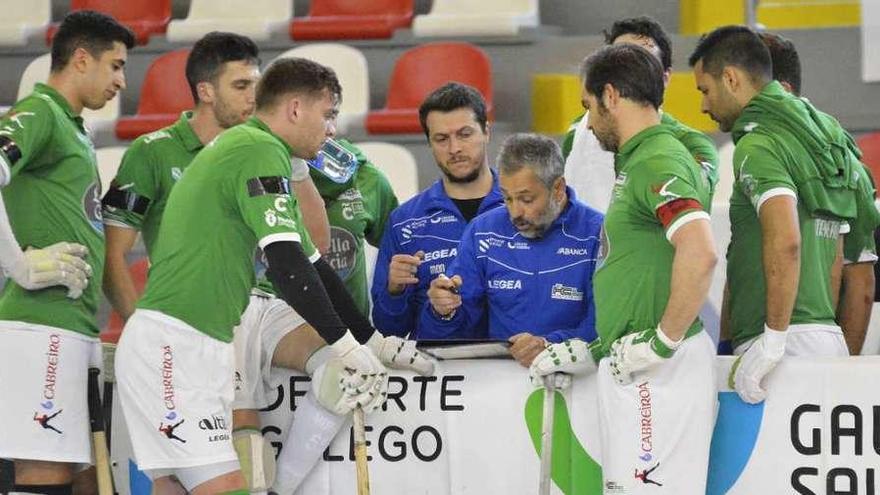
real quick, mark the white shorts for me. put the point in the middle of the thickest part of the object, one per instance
(44, 413)
(656, 431)
(266, 320)
(175, 390)
(809, 340)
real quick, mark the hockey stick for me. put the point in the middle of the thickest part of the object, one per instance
(360, 452)
(99, 440)
(443, 350)
(108, 353)
(547, 435)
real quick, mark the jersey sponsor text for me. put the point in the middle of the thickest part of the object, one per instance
(505, 284)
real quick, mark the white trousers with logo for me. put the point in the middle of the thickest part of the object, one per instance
(175, 390)
(656, 431)
(44, 414)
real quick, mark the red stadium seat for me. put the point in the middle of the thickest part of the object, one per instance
(870, 146)
(422, 70)
(138, 271)
(144, 17)
(164, 94)
(352, 19)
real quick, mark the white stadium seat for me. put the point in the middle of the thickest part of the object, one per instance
(350, 66)
(483, 18)
(38, 72)
(23, 19)
(109, 160)
(257, 19)
(398, 164)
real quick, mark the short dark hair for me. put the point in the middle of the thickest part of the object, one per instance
(214, 49)
(646, 27)
(785, 59)
(93, 31)
(539, 153)
(289, 75)
(631, 69)
(738, 46)
(452, 96)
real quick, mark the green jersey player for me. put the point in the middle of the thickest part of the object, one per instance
(222, 71)
(234, 197)
(357, 210)
(590, 169)
(654, 275)
(794, 194)
(48, 328)
(857, 253)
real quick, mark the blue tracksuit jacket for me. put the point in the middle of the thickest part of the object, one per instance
(542, 286)
(429, 222)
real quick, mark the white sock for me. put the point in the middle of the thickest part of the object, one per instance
(310, 434)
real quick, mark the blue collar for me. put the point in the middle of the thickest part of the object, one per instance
(438, 198)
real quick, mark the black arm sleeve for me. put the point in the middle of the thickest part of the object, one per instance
(344, 304)
(298, 283)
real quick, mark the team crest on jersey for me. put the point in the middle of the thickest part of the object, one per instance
(271, 218)
(353, 208)
(343, 251)
(91, 203)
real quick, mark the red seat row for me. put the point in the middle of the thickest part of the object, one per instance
(418, 71)
(327, 19)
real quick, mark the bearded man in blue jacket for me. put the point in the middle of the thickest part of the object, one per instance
(527, 267)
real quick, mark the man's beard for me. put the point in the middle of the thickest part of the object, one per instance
(467, 179)
(540, 226)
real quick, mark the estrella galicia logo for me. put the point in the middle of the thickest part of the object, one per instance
(91, 203)
(736, 432)
(343, 251)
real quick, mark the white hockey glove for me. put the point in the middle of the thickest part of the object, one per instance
(400, 354)
(640, 352)
(58, 264)
(756, 363)
(365, 379)
(562, 360)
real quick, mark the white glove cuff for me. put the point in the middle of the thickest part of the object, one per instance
(318, 358)
(299, 169)
(672, 344)
(774, 342)
(375, 342)
(345, 344)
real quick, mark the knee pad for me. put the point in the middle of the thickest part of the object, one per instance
(256, 457)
